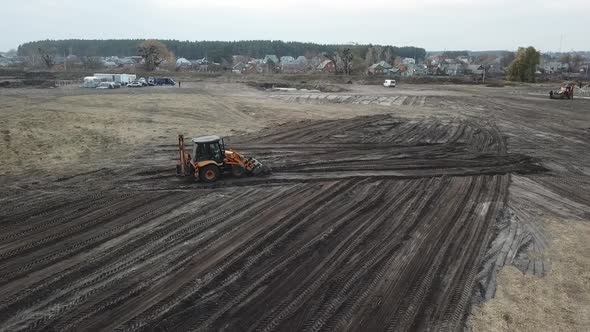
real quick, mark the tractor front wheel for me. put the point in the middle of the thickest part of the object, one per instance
(238, 171)
(209, 173)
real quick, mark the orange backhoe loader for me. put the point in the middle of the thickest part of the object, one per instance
(209, 160)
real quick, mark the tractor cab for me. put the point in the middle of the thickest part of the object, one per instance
(208, 148)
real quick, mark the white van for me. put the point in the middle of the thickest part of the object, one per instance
(389, 84)
(91, 82)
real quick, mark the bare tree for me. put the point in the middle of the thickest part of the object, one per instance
(485, 59)
(346, 56)
(388, 55)
(48, 57)
(577, 61)
(371, 57)
(170, 62)
(567, 58)
(153, 52)
(379, 52)
(507, 59)
(92, 62)
(271, 66)
(333, 58)
(342, 60)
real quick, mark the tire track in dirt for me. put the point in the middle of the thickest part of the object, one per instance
(373, 223)
(322, 98)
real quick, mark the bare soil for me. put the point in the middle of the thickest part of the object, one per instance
(379, 215)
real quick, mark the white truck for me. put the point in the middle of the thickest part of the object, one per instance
(122, 79)
(90, 82)
(389, 83)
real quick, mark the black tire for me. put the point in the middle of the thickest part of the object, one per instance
(209, 173)
(238, 171)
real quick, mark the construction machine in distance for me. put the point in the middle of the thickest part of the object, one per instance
(566, 92)
(210, 159)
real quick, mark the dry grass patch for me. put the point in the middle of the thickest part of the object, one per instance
(558, 302)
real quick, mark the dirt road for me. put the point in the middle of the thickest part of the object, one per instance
(379, 222)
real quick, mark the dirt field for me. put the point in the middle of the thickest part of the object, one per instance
(386, 210)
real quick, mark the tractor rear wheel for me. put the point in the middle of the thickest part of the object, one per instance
(238, 171)
(209, 173)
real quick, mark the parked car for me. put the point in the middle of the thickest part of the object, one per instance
(142, 81)
(389, 83)
(164, 81)
(135, 84)
(151, 81)
(108, 85)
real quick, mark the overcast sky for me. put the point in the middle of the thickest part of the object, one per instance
(432, 24)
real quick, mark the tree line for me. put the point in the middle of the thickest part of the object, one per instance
(217, 51)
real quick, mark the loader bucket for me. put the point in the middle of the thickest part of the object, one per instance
(259, 168)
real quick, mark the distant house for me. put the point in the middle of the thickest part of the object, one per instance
(5, 62)
(395, 71)
(409, 70)
(73, 59)
(127, 62)
(291, 65)
(239, 67)
(287, 59)
(465, 59)
(200, 64)
(245, 68)
(475, 69)
(252, 68)
(421, 70)
(327, 66)
(409, 61)
(495, 70)
(453, 69)
(379, 68)
(314, 62)
(114, 59)
(183, 63)
(59, 60)
(414, 70)
(553, 67)
(272, 58)
(110, 64)
(136, 58)
(432, 70)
